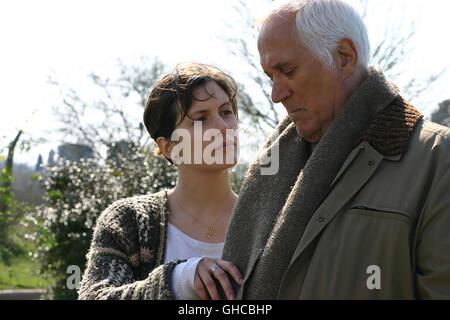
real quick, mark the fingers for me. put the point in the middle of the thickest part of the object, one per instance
(208, 282)
(222, 276)
(200, 288)
(204, 278)
(203, 283)
(231, 269)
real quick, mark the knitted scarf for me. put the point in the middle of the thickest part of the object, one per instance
(273, 210)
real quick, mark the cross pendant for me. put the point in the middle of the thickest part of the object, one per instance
(209, 234)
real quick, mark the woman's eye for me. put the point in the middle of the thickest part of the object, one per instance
(228, 112)
(199, 120)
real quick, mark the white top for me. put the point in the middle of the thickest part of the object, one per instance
(181, 246)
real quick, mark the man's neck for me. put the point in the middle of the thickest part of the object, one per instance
(355, 80)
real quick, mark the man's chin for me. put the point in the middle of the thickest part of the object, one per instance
(305, 135)
(300, 130)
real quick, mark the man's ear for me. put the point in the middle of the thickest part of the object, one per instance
(165, 146)
(347, 58)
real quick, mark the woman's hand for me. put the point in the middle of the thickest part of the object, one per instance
(209, 268)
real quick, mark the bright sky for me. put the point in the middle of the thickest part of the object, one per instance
(69, 39)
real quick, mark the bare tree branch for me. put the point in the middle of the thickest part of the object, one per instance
(110, 118)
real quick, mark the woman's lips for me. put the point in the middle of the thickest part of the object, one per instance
(227, 145)
(230, 144)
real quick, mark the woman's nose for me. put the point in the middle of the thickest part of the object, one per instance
(222, 124)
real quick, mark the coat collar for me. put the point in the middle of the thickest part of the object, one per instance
(393, 119)
(390, 129)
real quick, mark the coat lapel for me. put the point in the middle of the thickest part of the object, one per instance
(361, 165)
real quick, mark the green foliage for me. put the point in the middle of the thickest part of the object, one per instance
(76, 194)
(20, 274)
(6, 195)
(11, 214)
(20, 271)
(34, 176)
(10, 210)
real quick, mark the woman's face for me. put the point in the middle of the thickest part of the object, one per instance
(209, 131)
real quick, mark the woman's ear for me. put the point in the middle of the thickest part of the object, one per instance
(165, 146)
(347, 57)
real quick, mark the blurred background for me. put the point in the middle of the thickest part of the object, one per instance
(74, 79)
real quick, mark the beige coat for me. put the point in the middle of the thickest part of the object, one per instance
(391, 212)
(382, 228)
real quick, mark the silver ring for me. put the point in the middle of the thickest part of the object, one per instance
(214, 267)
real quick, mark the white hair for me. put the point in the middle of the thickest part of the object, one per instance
(322, 23)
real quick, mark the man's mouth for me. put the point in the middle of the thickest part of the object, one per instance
(296, 112)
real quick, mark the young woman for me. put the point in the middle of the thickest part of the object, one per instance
(168, 245)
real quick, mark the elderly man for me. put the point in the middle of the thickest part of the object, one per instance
(360, 205)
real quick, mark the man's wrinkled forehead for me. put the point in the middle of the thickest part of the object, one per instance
(276, 24)
(277, 38)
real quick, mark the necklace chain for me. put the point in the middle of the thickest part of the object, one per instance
(210, 227)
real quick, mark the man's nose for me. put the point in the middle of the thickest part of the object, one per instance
(280, 91)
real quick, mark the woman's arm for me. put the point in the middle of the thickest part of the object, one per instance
(116, 258)
(110, 277)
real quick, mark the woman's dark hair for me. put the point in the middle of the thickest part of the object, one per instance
(172, 96)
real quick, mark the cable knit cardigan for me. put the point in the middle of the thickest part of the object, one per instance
(126, 257)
